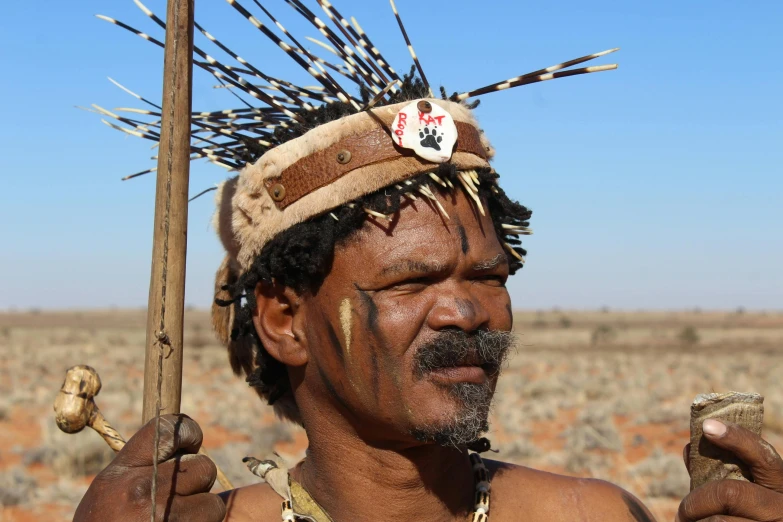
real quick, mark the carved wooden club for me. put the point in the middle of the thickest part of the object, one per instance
(75, 408)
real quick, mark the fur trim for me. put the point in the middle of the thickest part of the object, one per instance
(274, 162)
(255, 219)
(223, 316)
(221, 219)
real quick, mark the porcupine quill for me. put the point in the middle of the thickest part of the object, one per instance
(233, 137)
(410, 48)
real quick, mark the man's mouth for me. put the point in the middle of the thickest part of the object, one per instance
(457, 357)
(455, 374)
(469, 371)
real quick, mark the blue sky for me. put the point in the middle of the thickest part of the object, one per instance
(658, 185)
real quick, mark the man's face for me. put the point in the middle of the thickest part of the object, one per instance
(408, 331)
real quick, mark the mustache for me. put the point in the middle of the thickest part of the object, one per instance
(486, 348)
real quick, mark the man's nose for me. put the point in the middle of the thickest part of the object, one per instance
(460, 309)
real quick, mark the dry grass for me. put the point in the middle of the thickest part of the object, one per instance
(602, 394)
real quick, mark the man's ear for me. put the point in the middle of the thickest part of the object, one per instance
(277, 323)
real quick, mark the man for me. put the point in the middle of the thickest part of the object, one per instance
(363, 294)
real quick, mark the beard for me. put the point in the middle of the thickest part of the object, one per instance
(450, 348)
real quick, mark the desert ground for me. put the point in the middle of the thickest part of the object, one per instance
(594, 394)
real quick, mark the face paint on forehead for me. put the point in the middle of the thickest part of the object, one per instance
(463, 238)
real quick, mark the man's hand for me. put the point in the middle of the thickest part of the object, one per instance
(737, 500)
(123, 490)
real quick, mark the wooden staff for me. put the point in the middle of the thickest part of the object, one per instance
(166, 305)
(166, 308)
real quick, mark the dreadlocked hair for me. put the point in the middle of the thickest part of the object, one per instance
(301, 256)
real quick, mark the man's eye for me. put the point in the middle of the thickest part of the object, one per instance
(412, 283)
(494, 280)
(416, 281)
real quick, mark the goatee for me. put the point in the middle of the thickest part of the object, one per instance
(450, 348)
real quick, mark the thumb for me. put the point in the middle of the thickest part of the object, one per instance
(765, 464)
(177, 434)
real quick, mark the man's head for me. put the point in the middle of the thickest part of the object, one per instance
(397, 328)
(314, 162)
(386, 311)
(407, 331)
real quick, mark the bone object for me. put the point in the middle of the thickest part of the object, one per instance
(707, 462)
(273, 470)
(75, 408)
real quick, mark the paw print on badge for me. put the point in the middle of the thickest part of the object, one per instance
(430, 138)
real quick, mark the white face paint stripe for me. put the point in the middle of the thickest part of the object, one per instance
(346, 316)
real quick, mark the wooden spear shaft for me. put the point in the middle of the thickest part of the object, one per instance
(166, 309)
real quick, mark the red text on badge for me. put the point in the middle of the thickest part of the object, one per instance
(402, 120)
(429, 119)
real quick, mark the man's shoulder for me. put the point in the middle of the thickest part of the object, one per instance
(252, 503)
(516, 491)
(541, 495)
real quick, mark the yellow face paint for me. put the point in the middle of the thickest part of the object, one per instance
(345, 321)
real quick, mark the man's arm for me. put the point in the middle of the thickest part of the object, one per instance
(604, 501)
(620, 505)
(252, 503)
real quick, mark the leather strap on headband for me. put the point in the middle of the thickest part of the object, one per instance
(373, 147)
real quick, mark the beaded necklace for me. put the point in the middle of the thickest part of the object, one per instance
(481, 478)
(480, 509)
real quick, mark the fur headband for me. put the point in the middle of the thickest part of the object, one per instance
(312, 177)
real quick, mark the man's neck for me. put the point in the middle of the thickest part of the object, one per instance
(354, 480)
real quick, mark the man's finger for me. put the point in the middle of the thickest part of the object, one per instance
(735, 498)
(178, 433)
(765, 464)
(204, 507)
(188, 474)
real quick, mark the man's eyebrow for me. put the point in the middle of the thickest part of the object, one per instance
(489, 264)
(411, 265)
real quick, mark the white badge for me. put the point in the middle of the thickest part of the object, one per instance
(427, 129)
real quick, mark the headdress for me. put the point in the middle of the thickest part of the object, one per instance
(304, 151)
